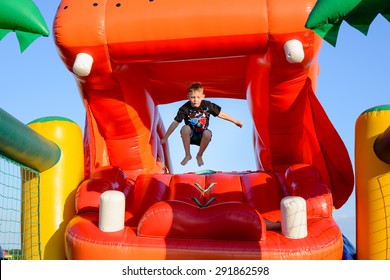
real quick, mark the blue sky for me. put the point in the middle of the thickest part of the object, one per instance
(354, 76)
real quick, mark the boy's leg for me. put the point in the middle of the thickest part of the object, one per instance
(186, 138)
(206, 138)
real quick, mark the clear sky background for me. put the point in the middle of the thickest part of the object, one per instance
(354, 76)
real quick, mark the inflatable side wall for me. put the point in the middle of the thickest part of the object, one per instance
(57, 186)
(372, 187)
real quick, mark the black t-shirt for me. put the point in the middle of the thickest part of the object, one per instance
(197, 118)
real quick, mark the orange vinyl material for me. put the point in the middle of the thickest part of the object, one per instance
(145, 53)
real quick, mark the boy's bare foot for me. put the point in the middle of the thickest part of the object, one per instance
(200, 160)
(186, 159)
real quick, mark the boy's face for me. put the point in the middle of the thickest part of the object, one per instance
(196, 97)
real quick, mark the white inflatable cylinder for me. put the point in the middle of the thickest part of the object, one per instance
(83, 64)
(112, 211)
(294, 220)
(294, 51)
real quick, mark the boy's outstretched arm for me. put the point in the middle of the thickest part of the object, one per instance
(225, 116)
(171, 128)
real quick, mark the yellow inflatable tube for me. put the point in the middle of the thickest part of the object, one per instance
(57, 186)
(372, 187)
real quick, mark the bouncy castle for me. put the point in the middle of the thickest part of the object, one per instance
(128, 57)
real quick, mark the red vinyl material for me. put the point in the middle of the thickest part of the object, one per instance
(164, 222)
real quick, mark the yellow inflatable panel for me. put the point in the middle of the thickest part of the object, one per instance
(58, 184)
(372, 187)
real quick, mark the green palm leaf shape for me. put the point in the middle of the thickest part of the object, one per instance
(24, 18)
(327, 15)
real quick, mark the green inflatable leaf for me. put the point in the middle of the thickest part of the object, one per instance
(25, 39)
(329, 12)
(3, 32)
(24, 18)
(329, 32)
(327, 15)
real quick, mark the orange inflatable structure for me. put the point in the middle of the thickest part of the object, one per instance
(130, 56)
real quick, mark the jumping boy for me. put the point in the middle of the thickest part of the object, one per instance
(196, 113)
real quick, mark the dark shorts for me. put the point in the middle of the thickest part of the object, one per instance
(196, 137)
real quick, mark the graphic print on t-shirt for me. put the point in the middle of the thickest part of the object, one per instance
(198, 119)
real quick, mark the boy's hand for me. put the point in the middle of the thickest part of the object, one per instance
(163, 141)
(239, 123)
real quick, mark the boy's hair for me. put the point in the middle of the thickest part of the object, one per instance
(195, 86)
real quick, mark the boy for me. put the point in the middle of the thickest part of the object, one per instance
(196, 113)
